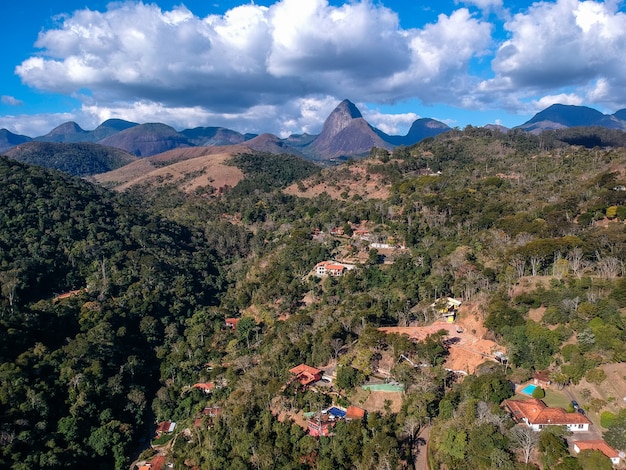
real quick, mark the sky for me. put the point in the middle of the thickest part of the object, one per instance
(282, 66)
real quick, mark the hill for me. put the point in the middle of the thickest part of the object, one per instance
(93, 350)
(526, 232)
(560, 116)
(9, 139)
(79, 159)
(147, 139)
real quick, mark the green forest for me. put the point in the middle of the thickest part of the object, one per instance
(113, 308)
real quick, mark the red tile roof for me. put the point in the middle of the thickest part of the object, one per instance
(536, 412)
(306, 374)
(205, 387)
(600, 445)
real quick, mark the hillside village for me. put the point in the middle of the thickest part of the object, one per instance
(457, 303)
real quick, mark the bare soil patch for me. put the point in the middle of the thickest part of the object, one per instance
(467, 350)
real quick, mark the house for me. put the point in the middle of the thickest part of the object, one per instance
(337, 231)
(232, 323)
(600, 445)
(320, 425)
(306, 375)
(537, 415)
(165, 427)
(205, 387)
(542, 378)
(361, 233)
(330, 268)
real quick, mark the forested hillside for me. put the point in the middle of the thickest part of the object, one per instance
(526, 231)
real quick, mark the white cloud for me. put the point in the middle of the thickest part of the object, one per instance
(10, 100)
(558, 44)
(546, 101)
(253, 62)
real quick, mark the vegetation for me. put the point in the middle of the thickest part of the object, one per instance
(154, 274)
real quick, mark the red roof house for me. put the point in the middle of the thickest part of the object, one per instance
(600, 445)
(205, 387)
(306, 375)
(232, 323)
(320, 425)
(537, 415)
(165, 427)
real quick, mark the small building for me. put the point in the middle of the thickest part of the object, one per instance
(600, 445)
(320, 425)
(330, 268)
(232, 323)
(542, 378)
(537, 415)
(165, 427)
(305, 375)
(206, 387)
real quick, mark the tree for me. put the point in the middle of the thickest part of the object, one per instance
(347, 377)
(245, 327)
(594, 460)
(525, 439)
(616, 434)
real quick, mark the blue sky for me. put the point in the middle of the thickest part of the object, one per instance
(282, 66)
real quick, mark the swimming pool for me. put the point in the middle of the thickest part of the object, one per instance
(528, 389)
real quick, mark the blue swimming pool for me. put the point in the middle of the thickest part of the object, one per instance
(528, 389)
(337, 412)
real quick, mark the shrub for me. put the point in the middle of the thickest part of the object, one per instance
(606, 419)
(595, 376)
(539, 393)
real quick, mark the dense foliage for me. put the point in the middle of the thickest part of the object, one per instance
(512, 224)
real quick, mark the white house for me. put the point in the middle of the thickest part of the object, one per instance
(537, 415)
(600, 445)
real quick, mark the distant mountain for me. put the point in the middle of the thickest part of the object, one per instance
(147, 139)
(497, 127)
(345, 133)
(79, 159)
(420, 129)
(66, 132)
(8, 139)
(559, 116)
(621, 115)
(110, 127)
(214, 136)
(269, 143)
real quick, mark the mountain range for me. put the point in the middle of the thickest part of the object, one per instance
(345, 134)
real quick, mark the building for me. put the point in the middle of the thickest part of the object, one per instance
(537, 415)
(331, 268)
(205, 387)
(231, 323)
(600, 445)
(165, 427)
(306, 375)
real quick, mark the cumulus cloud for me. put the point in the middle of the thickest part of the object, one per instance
(10, 100)
(253, 60)
(554, 45)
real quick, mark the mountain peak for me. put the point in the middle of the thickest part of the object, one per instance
(341, 117)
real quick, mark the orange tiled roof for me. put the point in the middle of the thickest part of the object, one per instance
(207, 387)
(600, 445)
(536, 412)
(306, 374)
